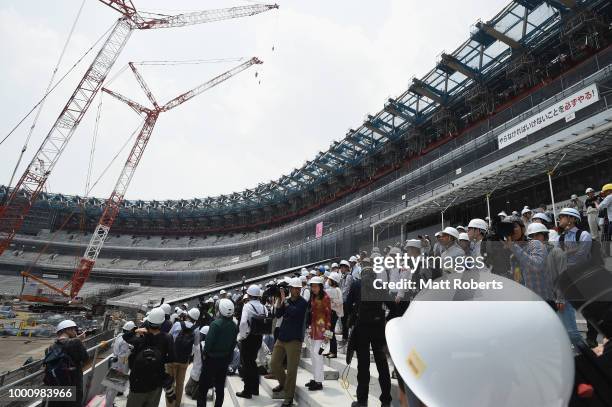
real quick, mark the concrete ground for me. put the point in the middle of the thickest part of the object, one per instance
(14, 350)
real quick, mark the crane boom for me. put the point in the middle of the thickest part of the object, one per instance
(30, 185)
(113, 204)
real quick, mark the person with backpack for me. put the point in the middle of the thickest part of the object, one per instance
(152, 349)
(184, 335)
(192, 389)
(217, 353)
(250, 341)
(63, 362)
(121, 353)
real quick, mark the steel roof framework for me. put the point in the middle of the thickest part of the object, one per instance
(526, 22)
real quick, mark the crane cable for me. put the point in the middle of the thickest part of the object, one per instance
(41, 105)
(78, 61)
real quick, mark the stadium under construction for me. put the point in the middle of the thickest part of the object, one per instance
(520, 111)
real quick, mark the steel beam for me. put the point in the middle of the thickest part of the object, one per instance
(498, 35)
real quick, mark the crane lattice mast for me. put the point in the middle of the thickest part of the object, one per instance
(25, 192)
(113, 204)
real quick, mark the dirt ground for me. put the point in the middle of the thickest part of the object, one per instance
(14, 350)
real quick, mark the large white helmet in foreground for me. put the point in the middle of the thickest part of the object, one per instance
(471, 353)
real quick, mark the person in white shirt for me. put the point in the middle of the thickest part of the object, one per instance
(250, 343)
(196, 368)
(355, 268)
(121, 351)
(305, 291)
(335, 295)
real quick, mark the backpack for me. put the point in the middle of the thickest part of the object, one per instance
(260, 324)
(58, 366)
(183, 343)
(148, 365)
(596, 255)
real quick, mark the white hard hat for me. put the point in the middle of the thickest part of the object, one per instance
(226, 307)
(222, 292)
(128, 326)
(460, 228)
(254, 291)
(358, 257)
(589, 190)
(304, 272)
(515, 213)
(156, 316)
(65, 324)
(534, 228)
(478, 223)
(353, 259)
(316, 280)
(303, 279)
(215, 297)
(194, 314)
(502, 213)
(334, 265)
(526, 210)
(204, 330)
(313, 272)
(574, 196)
(209, 301)
(173, 317)
(542, 216)
(463, 236)
(438, 234)
(166, 307)
(416, 243)
(570, 212)
(444, 368)
(335, 276)
(295, 282)
(345, 263)
(185, 305)
(451, 231)
(177, 309)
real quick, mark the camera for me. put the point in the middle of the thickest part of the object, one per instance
(275, 290)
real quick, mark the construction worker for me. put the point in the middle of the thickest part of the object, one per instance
(121, 353)
(576, 242)
(292, 310)
(218, 351)
(424, 345)
(355, 267)
(464, 243)
(250, 343)
(64, 361)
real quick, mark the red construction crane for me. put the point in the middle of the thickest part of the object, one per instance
(113, 204)
(26, 190)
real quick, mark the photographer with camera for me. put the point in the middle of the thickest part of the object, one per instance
(152, 350)
(291, 311)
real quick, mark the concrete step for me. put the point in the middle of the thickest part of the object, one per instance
(329, 373)
(234, 384)
(332, 394)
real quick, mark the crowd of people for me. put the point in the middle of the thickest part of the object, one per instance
(262, 329)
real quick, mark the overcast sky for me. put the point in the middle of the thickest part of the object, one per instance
(327, 64)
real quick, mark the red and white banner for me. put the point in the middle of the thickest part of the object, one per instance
(564, 109)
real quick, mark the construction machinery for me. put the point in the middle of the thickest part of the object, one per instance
(25, 192)
(68, 294)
